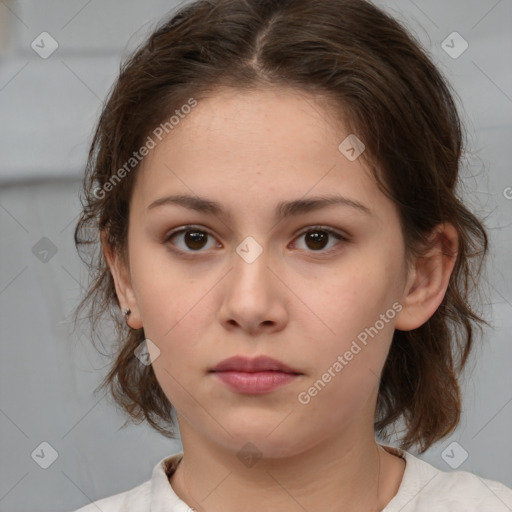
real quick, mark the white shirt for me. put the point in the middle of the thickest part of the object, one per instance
(424, 488)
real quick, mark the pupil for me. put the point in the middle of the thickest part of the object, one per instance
(193, 239)
(317, 237)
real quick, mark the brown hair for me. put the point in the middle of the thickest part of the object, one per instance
(383, 86)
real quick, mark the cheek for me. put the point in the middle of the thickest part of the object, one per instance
(351, 299)
(346, 374)
(355, 320)
(177, 312)
(167, 293)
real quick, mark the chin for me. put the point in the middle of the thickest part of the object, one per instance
(267, 441)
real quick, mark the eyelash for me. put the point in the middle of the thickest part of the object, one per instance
(187, 254)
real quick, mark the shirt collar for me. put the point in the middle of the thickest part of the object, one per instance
(163, 497)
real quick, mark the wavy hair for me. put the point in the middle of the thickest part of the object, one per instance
(382, 84)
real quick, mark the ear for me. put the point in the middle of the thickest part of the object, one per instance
(121, 274)
(428, 278)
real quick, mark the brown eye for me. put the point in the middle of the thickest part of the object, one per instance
(195, 239)
(317, 239)
(190, 239)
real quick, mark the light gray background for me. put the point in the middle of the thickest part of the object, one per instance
(48, 110)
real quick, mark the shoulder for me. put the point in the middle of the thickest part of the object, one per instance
(148, 496)
(426, 488)
(138, 498)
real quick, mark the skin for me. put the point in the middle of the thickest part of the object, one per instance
(296, 302)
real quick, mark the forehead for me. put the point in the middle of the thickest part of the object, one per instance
(258, 114)
(271, 124)
(280, 141)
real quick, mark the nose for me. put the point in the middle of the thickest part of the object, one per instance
(254, 299)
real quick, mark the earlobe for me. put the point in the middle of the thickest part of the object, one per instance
(429, 279)
(122, 282)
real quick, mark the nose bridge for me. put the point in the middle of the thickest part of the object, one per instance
(251, 298)
(250, 266)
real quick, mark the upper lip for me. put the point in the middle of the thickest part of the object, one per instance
(252, 365)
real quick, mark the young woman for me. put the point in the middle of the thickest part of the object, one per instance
(283, 252)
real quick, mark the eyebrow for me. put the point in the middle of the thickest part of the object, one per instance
(284, 209)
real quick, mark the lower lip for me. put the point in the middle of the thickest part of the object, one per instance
(255, 383)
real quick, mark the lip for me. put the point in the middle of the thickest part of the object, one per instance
(252, 365)
(254, 375)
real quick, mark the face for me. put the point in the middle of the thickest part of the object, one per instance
(315, 288)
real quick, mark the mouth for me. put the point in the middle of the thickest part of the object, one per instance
(253, 365)
(254, 376)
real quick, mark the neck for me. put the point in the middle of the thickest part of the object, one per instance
(353, 471)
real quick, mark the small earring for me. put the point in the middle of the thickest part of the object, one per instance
(127, 312)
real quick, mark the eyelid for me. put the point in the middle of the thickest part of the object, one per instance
(328, 229)
(187, 227)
